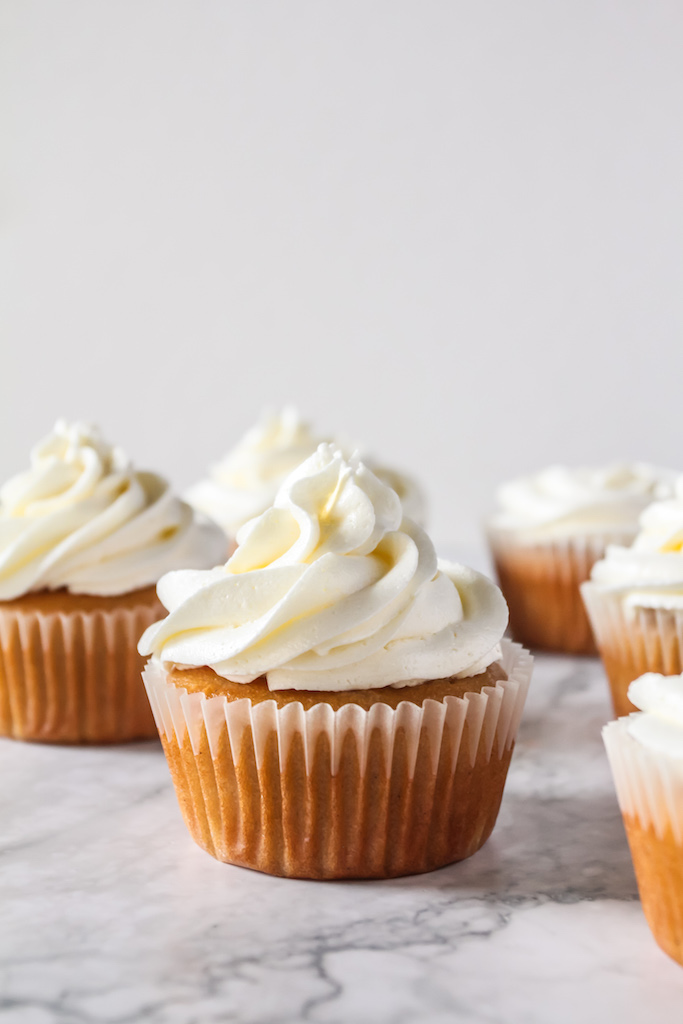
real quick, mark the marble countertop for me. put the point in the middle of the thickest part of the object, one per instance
(111, 914)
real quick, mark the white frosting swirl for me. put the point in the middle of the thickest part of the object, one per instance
(560, 501)
(409, 491)
(82, 518)
(331, 589)
(245, 483)
(649, 573)
(659, 723)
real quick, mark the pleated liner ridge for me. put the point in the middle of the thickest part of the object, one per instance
(541, 585)
(74, 677)
(650, 793)
(344, 793)
(633, 641)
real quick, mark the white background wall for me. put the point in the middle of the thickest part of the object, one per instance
(451, 229)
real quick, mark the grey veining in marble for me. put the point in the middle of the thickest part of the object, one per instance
(111, 914)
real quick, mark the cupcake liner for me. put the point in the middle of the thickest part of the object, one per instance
(74, 676)
(633, 641)
(344, 793)
(650, 793)
(541, 583)
(649, 785)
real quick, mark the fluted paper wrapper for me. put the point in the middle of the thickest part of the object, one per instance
(344, 793)
(74, 677)
(541, 584)
(650, 793)
(633, 641)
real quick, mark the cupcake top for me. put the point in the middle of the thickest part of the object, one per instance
(83, 518)
(331, 588)
(650, 572)
(659, 724)
(244, 484)
(562, 502)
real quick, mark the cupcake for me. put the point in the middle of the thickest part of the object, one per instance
(244, 484)
(645, 752)
(83, 539)
(635, 600)
(550, 530)
(332, 702)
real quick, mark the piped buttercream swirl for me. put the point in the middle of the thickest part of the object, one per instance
(83, 518)
(245, 483)
(649, 573)
(331, 588)
(562, 501)
(659, 723)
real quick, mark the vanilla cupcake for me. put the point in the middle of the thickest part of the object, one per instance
(244, 484)
(83, 539)
(645, 751)
(332, 702)
(550, 530)
(635, 600)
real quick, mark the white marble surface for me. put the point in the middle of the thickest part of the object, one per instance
(111, 914)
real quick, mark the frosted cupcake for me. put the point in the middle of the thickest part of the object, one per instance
(244, 484)
(550, 530)
(83, 539)
(645, 751)
(635, 600)
(332, 702)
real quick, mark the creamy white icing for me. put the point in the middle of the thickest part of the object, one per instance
(245, 483)
(82, 518)
(659, 723)
(561, 501)
(650, 572)
(409, 491)
(332, 588)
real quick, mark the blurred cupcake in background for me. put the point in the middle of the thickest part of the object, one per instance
(84, 537)
(635, 600)
(334, 702)
(645, 751)
(549, 531)
(244, 483)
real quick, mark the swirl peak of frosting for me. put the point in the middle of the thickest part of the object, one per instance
(245, 483)
(561, 500)
(331, 588)
(83, 518)
(659, 723)
(273, 447)
(649, 573)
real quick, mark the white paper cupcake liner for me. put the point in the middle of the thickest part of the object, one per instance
(649, 785)
(377, 780)
(633, 640)
(541, 583)
(649, 789)
(74, 677)
(492, 716)
(584, 550)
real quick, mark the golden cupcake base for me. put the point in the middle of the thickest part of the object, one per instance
(632, 641)
(541, 584)
(658, 864)
(649, 785)
(344, 792)
(69, 667)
